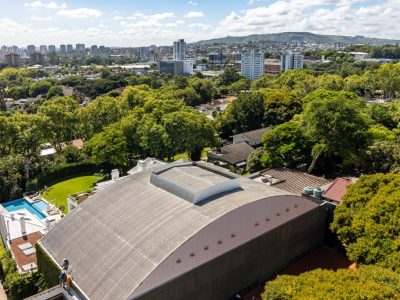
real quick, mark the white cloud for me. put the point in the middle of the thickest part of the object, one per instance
(194, 14)
(201, 26)
(320, 16)
(118, 18)
(38, 18)
(193, 3)
(80, 13)
(51, 5)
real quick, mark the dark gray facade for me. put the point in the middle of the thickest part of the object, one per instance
(170, 67)
(249, 264)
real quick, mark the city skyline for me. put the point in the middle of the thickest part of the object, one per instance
(122, 23)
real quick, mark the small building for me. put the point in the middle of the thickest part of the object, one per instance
(272, 66)
(359, 56)
(48, 150)
(335, 192)
(253, 138)
(289, 180)
(234, 155)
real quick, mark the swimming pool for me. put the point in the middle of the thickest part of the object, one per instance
(35, 208)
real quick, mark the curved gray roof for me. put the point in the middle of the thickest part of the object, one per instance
(119, 237)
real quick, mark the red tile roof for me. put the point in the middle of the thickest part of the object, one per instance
(338, 189)
(19, 256)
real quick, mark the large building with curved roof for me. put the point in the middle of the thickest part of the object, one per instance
(183, 231)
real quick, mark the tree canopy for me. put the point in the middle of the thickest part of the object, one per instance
(367, 282)
(367, 222)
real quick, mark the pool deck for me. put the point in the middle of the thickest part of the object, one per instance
(13, 223)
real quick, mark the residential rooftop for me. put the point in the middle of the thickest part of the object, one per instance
(292, 181)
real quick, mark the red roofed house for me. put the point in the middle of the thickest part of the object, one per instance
(338, 189)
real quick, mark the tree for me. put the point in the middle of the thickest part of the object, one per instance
(39, 88)
(336, 123)
(189, 96)
(331, 82)
(62, 119)
(367, 222)
(189, 131)
(204, 88)
(109, 145)
(243, 84)
(244, 114)
(55, 91)
(100, 113)
(297, 81)
(367, 282)
(229, 76)
(286, 145)
(280, 106)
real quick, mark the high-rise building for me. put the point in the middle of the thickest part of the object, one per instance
(63, 49)
(102, 49)
(43, 49)
(252, 65)
(70, 48)
(80, 48)
(179, 50)
(52, 48)
(31, 50)
(143, 53)
(216, 58)
(36, 58)
(291, 61)
(94, 49)
(12, 59)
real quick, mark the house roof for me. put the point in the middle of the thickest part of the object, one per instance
(294, 181)
(233, 153)
(125, 240)
(255, 135)
(338, 189)
(20, 257)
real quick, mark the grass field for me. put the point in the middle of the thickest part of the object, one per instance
(186, 156)
(57, 194)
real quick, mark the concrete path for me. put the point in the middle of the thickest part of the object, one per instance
(3, 295)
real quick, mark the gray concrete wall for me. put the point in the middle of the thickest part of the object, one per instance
(249, 264)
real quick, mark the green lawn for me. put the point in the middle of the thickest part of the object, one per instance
(57, 194)
(186, 156)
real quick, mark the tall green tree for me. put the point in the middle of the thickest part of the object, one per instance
(62, 119)
(337, 124)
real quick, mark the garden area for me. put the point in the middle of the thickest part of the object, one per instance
(57, 194)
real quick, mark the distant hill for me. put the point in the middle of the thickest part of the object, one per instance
(299, 36)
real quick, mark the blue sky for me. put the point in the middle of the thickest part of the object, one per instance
(145, 22)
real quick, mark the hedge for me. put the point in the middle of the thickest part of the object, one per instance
(48, 270)
(63, 172)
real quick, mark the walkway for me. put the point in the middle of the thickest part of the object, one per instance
(3, 295)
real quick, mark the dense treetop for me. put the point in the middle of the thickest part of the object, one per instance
(368, 282)
(368, 220)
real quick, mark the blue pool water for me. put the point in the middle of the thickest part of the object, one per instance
(34, 208)
(40, 205)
